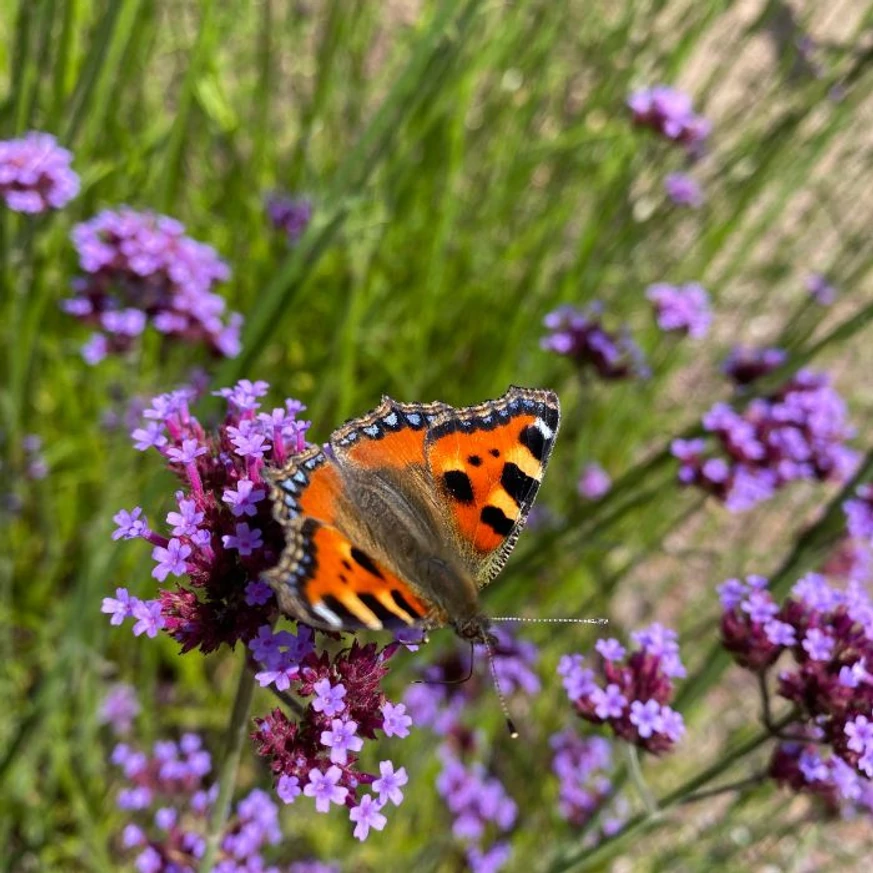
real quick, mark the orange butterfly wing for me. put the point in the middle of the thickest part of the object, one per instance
(483, 466)
(488, 462)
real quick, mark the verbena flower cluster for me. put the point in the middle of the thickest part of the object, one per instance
(669, 112)
(478, 803)
(316, 755)
(291, 215)
(582, 765)
(35, 174)
(119, 708)
(826, 637)
(681, 308)
(221, 535)
(579, 334)
(798, 432)
(168, 798)
(684, 190)
(141, 268)
(634, 690)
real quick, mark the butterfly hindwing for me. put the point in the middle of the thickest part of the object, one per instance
(487, 462)
(328, 582)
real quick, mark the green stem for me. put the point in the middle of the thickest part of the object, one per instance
(236, 733)
(636, 771)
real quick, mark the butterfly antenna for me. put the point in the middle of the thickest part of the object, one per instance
(510, 724)
(520, 618)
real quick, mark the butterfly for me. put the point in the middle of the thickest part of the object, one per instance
(409, 511)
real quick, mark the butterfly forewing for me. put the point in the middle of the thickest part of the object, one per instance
(488, 462)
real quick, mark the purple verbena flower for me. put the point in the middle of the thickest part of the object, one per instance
(119, 708)
(578, 334)
(797, 432)
(594, 482)
(388, 785)
(636, 689)
(170, 560)
(119, 607)
(246, 540)
(670, 113)
(646, 717)
(288, 788)
(684, 190)
(329, 699)
(682, 308)
(35, 174)
(131, 524)
(324, 789)
(289, 214)
(396, 722)
(820, 289)
(140, 268)
(243, 499)
(341, 739)
(149, 618)
(366, 815)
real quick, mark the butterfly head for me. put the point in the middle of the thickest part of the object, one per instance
(476, 629)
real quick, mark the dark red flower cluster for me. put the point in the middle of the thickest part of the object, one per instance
(669, 112)
(579, 334)
(828, 634)
(316, 755)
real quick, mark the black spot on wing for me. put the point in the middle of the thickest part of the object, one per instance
(459, 486)
(497, 521)
(533, 440)
(474, 461)
(365, 561)
(495, 453)
(517, 484)
(385, 615)
(349, 620)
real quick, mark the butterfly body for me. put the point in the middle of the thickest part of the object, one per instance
(410, 511)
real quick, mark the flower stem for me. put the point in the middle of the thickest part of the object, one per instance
(639, 781)
(236, 732)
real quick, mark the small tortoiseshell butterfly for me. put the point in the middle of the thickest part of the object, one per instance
(409, 511)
